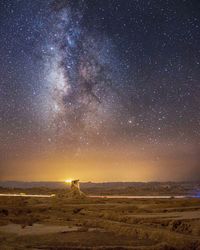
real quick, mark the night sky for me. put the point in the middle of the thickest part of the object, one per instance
(101, 90)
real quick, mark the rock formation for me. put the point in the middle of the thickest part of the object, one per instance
(75, 191)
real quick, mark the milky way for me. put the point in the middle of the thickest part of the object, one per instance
(82, 100)
(101, 79)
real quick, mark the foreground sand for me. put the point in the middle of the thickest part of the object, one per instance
(60, 223)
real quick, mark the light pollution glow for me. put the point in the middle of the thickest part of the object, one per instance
(106, 166)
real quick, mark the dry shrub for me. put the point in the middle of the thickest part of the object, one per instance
(4, 212)
(180, 226)
(77, 210)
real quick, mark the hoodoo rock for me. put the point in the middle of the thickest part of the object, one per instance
(75, 191)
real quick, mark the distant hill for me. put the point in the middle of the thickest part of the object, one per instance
(21, 184)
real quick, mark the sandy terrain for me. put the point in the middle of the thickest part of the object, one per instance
(36, 229)
(91, 223)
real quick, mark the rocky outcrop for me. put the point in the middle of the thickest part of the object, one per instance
(75, 191)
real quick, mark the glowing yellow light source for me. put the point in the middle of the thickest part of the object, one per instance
(68, 181)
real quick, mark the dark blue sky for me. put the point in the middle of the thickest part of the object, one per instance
(90, 75)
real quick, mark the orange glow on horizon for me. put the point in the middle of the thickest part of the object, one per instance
(68, 181)
(125, 163)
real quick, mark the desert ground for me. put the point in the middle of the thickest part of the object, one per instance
(97, 223)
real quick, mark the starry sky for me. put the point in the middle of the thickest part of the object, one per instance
(101, 90)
